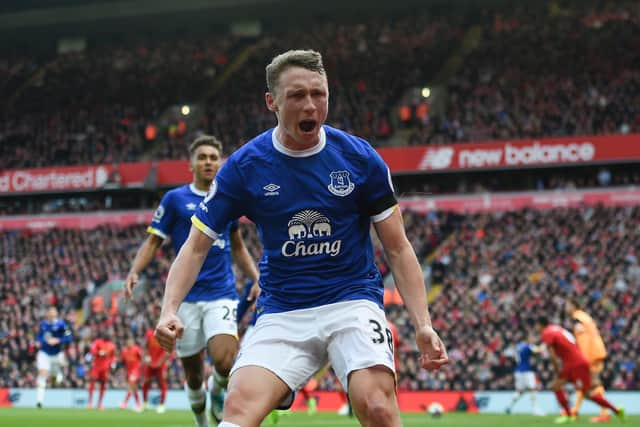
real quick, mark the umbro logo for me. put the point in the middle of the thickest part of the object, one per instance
(191, 206)
(271, 190)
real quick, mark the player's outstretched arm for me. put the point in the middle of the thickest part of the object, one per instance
(145, 254)
(409, 281)
(182, 275)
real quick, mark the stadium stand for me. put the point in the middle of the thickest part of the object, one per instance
(489, 262)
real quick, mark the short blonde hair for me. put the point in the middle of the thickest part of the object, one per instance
(308, 59)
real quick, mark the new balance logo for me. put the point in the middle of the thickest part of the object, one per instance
(271, 190)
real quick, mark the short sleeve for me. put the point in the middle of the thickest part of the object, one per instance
(223, 203)
(164, 218)
(378, 197)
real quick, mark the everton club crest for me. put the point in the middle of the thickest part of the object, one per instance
(340, 184)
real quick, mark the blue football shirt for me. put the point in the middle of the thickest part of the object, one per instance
(173, 219)
(56, 329)
(313, 210)
(523, 357)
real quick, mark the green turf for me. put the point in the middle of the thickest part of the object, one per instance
(17, 417)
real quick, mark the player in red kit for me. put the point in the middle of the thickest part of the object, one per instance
(570, 366)
(131, 356)
(155, 367)
(103, 351)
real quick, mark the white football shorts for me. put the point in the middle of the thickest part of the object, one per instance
(525, 380)
(51, 363)
(294, 345)
(203, 320)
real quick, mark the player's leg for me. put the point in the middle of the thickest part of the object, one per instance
(280, 355)
(57, 364)
(162, 383)
(146, 385)
(310, 400)
(519, 383)
(93, 376)
(193, 367)
(372, 393)
(530, 386)
(133, 389)
(44, 365)
(103, 379)
(361, 354)
(125, 402)
(558, 389)
(583, 381)
(222, 351)
(220, 329)
(598, 389)
(252, 393)
(190, 351)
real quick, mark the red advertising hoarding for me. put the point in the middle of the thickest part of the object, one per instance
(83, 221)
(72, 178)
(426, 158)
(408, 401)
(513, 154)
(515, 201)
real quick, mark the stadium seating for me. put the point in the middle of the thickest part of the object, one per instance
(497, 271)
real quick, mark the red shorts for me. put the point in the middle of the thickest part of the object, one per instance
(133, 375)
(99, 374)
(159, 373)
(579, 375)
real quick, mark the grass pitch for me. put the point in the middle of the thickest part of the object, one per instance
(20, 417)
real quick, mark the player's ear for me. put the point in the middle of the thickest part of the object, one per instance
(270, 100)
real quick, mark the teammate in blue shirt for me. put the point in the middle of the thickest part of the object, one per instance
(50, 360)
(209, 309)
(525, 377)
(313, 192)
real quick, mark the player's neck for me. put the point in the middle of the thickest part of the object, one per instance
(298, 150)
(290, 143)
(201, 185)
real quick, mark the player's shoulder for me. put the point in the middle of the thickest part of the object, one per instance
(348, 144)
(177, 192)
(550, 330)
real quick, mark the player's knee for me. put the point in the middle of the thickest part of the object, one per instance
(194, 379)
(235, 404)
(223, 366)
(223, 361)
(378, 411)
(377, 408)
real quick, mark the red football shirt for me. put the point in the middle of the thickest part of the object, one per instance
(104, 352)
(156, 352)
(132, 357)
(564, 344)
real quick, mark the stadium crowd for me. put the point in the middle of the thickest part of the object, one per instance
(570, 72)
(497, 271)
(526, 81)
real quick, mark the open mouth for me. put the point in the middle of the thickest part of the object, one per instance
(307, 125)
